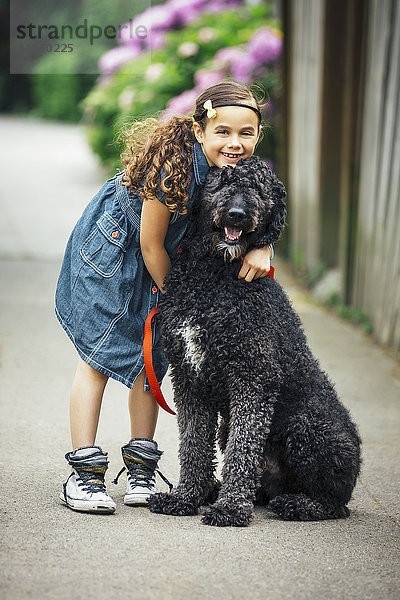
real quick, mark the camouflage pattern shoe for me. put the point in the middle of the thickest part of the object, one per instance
(85, 489)
(141, 458)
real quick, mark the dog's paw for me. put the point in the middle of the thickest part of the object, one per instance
(227, 516)
(172, 504)
(299, 507)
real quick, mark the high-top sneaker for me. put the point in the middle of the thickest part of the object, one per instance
(84, 489)
(141, 457)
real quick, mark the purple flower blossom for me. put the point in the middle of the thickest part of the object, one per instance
(207, 34)
(154, 71)
(187, 49)
(185, 102)
(127, 33)
(147, 30)
(180, 105)
(226, 57)
(216, 7)
(186, 12)
(242, 70)
(158, 18)
(265, 46)
(156, 40)
(116, 57)
(204, 79)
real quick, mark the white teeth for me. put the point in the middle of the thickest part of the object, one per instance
(230, 237)
(231, 155)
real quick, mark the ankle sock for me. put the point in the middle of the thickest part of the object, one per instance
(86, 451)
(144, 442)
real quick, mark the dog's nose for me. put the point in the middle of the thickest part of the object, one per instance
(236, 214)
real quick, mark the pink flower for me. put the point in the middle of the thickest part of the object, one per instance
(185, 11)
(116, 57)
(154, 19)
(206, 35)
(180, 105)
(204, 79)
(154, 71)
(155, 40)
(147, 30)
(265, 46)
(188, 49)
(216, 7)
(242, 70)
(226, 57)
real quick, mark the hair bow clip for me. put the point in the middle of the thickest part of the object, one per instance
(211, 112)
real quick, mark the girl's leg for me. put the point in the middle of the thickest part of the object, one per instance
(86, 397)
(85, 489)
(143, 410)
(141, 454)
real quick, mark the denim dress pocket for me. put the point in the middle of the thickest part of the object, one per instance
(105, 246)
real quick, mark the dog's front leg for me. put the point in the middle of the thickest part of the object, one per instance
(249, 427)
(197, 428)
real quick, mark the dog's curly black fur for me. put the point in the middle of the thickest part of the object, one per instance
(237, 349)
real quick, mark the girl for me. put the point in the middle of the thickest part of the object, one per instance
(113, 271)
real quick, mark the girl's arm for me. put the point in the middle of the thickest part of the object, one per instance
(153, 229)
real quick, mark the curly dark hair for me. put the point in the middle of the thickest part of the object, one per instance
(152, 146)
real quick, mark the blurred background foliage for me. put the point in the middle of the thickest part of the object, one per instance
(241, 41)
(55, 88)
(190, 46)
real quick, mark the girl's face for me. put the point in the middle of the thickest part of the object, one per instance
(228, 137)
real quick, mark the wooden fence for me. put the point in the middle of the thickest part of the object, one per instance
(376, 284)
(343, 148)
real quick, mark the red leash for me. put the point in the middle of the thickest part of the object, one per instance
(148, 362)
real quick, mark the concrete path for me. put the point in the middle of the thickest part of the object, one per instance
(51, 552)
(48, 174)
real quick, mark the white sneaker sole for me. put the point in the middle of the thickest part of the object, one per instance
(86, 506)
(136, 499)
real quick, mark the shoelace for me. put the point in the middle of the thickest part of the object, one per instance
(142, 476)
(93, 486)
(91, 483)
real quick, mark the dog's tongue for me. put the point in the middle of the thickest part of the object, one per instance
(233, 232)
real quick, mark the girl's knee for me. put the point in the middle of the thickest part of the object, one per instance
(89, 371)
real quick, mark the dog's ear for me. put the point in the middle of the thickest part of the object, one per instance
(270, 228)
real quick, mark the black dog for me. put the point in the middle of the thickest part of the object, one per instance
(237, 349)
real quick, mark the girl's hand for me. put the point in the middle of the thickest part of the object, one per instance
(256, 263)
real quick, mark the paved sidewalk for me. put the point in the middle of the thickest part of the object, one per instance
(51, 552)
(48, 176)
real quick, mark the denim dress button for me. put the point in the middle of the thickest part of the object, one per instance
(114, 234)
(154, 289)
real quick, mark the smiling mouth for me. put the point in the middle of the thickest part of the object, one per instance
(232, 235)
(228, 155)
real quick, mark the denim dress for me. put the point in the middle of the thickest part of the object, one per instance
(104, 291)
